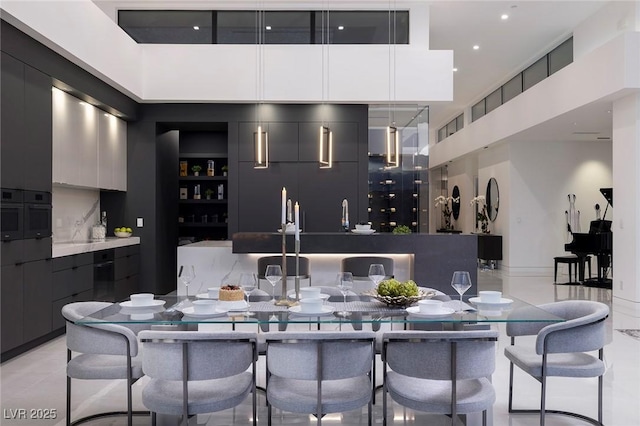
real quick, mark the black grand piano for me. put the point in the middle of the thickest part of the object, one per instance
(598, 242)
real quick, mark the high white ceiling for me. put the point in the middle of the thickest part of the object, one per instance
(506, 46)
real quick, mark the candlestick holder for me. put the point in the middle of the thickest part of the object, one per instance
(283, 301)
(297, 280)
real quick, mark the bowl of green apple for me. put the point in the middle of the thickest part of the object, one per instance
(123, 232)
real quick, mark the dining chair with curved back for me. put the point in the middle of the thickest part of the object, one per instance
(319, 372)
(103, 351)
(195, 372)
(561, 350)
(443, 372)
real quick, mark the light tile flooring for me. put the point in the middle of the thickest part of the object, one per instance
(36, 380)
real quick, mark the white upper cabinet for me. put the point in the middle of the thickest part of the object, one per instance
(112, 152)
(89, 146)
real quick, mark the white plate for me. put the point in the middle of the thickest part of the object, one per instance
(292, 295)
(236, 305)
(324, 311)
(363, 232)
(444, 312)
(189, 311)
(503, 303)
(205, 296)
(154, 303)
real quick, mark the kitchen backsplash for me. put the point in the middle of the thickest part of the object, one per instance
(74, 212)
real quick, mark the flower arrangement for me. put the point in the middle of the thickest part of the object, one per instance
(482, 215)
(446, 208)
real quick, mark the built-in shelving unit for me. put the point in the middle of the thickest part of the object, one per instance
(203, 199)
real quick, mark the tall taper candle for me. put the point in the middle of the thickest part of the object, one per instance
(289, 216)
(284, 207)
(297, 212)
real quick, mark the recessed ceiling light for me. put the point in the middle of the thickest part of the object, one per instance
(341, 27)
(195, 27)
(268, 27)
(455, 69)
(476, 47)
(504, 16)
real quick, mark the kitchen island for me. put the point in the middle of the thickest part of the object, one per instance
(433, 257)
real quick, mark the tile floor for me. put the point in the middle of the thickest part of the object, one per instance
(37, 379)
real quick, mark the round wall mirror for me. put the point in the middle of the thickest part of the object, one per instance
(455, 206)
(493, 199)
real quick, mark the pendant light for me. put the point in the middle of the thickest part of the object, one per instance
(392, 138)
(260, 136)
(325, 138)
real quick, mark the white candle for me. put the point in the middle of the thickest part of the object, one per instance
(284, 206)
(289, 216)
(297, 210)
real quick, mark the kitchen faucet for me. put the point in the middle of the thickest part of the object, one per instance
(345, 215)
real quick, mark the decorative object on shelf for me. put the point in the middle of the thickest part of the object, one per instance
(455, 205)
(220, 192)
(183, 168)
(446, 209)
(493, 199)
(345, 215)
(225, 170)
(196, 170)
(183, 193)
(481, 213)
(208, 193)
(196, 192)
(401, 230)
(211, 168)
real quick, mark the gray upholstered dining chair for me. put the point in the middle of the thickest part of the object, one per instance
(103, 351)
(442, 372)
(319, 372)
(561, 349)
(194, 372)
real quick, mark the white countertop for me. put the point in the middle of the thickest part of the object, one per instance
(69, 248)
(209, 243)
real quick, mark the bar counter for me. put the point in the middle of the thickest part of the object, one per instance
(435, 256)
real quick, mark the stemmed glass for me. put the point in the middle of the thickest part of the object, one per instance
(187, 274)
(248, 283)
(461, 282)
(376, 273)
(344, 282)
(273, 274)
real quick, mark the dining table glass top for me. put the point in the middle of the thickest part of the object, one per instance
(172, 309)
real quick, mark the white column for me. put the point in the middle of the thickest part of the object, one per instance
(626, 199)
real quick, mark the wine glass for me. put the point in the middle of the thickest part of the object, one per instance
(461, 282)
(344, 282)
(376, 273)
(248, 283)
(273, 274)
(187, 274)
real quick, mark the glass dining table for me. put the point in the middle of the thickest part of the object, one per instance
(173, 310)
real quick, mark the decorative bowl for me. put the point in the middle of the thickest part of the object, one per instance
(123, 234)
(401, 301)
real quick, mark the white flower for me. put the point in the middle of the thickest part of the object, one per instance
(479, 199)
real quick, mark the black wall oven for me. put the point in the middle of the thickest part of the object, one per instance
(25, 214)
(11, 221)
(37, 214)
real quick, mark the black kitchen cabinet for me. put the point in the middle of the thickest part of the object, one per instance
(37, 280)
(72, 281)
(345, 141)
(26, 129)
(126, 270)
(282, 137)
(12, 302)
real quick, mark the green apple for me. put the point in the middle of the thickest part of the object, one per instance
(129, 230)
(116, 230)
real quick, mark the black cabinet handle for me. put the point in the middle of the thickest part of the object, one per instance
(19, 263)
(74, 267)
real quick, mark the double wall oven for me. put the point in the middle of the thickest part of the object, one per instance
(25, 214)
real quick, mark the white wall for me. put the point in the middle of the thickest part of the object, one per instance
(541, 177)
(80, 31)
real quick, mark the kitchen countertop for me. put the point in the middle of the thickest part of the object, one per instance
(69, 248)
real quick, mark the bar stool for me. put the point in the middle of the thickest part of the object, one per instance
(304, 272)
(575, 261)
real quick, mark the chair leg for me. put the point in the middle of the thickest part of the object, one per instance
(484, 418)
(268, 413)
(510, 387)
(543, 392)
(68, 401)
(153, 419)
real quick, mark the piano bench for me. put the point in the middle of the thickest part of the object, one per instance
(573, 261)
